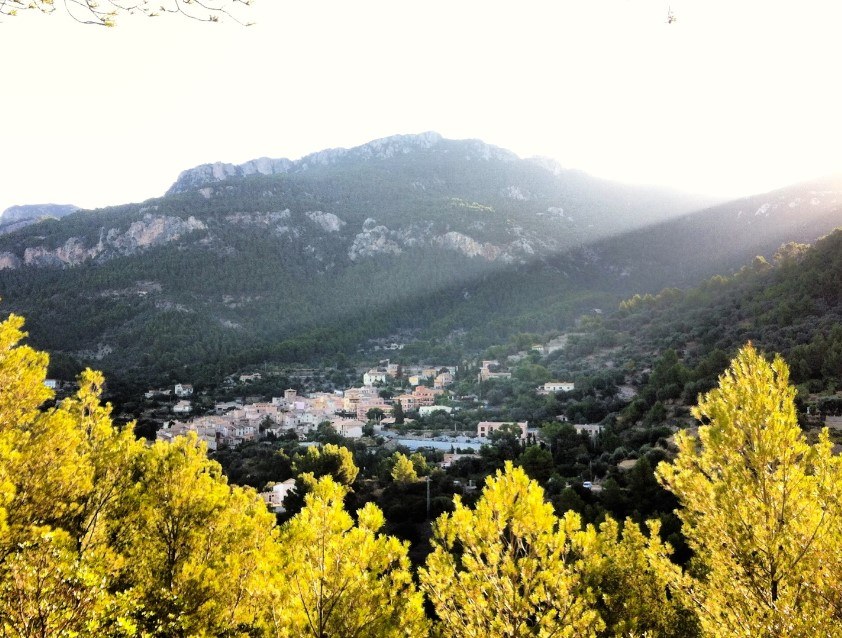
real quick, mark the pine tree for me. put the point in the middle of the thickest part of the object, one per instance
(334, 578)
(760, 509)
(504, 568)
(403, 471)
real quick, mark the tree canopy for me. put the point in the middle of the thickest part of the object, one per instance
(760, 509)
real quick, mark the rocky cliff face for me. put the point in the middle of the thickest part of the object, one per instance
(140, 235)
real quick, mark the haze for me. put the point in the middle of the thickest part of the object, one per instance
(730, 99)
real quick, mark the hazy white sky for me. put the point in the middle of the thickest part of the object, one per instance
(734, 97)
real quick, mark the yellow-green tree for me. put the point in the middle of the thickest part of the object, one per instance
(634, 581)
(328, 460)
(192, 547)
(334, 578)
(403, 471)
(507, 568)
(104, 536)
(760, 509)
(61, 473)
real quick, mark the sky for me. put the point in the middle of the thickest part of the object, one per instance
(733, 97)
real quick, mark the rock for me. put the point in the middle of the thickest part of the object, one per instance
(328, 221)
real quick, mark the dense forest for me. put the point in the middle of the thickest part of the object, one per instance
(106, 535)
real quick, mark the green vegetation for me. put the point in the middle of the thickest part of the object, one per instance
(104, 535)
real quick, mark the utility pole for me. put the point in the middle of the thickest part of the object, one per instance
(428, 498)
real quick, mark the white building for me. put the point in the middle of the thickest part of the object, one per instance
(274, 496)
(591, 429)
(182, 407)
(559, 386)
(349, 428)
(427, 410)
(183, 390)
(484, 428)
(374, 376)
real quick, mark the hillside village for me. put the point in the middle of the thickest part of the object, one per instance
(352, 413)
(346, 411)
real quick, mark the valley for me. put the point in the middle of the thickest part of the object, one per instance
(248, 313)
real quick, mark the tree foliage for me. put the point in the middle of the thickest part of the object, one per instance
(332, 577)
(760, 509)
(101, 534)
(504, 568)
(403, 470)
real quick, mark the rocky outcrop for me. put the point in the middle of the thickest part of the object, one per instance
(194, 178)
(9, 260)
(375, 239)
(468, 246)
(36, 211)
(71, 253)
(327, 221)
(141, 235)
(263, 219)
(150, 231)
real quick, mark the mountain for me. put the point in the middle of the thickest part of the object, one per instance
(17, 217)
(718, 240)
(674, 345)
(408, 237)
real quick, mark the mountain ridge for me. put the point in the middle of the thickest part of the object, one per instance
(17, 217)
(448, 241)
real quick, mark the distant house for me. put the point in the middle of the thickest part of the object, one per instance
(52, 384)
(591, 429)
(374, 376)
(244, 378)
(427, 410)
(558, 386)
(275, 495)
(367, 404)
(183, 389)
(408, 402)
(449, 459)
(485, 372)
(182, 407)
(349, 428)
(484, 428)
(420, 397)
(443, 380)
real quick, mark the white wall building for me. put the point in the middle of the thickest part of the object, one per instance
(559, 386)
(484, 428)
(274, 496)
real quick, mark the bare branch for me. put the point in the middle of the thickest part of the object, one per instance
(106, 12)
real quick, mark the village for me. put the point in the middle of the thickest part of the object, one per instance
(352, 413)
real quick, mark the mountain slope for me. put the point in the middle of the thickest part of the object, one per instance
(682, 250)
(290, 261)
(17, 217)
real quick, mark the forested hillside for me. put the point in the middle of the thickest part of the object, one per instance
(674, 343)
(457, 242)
